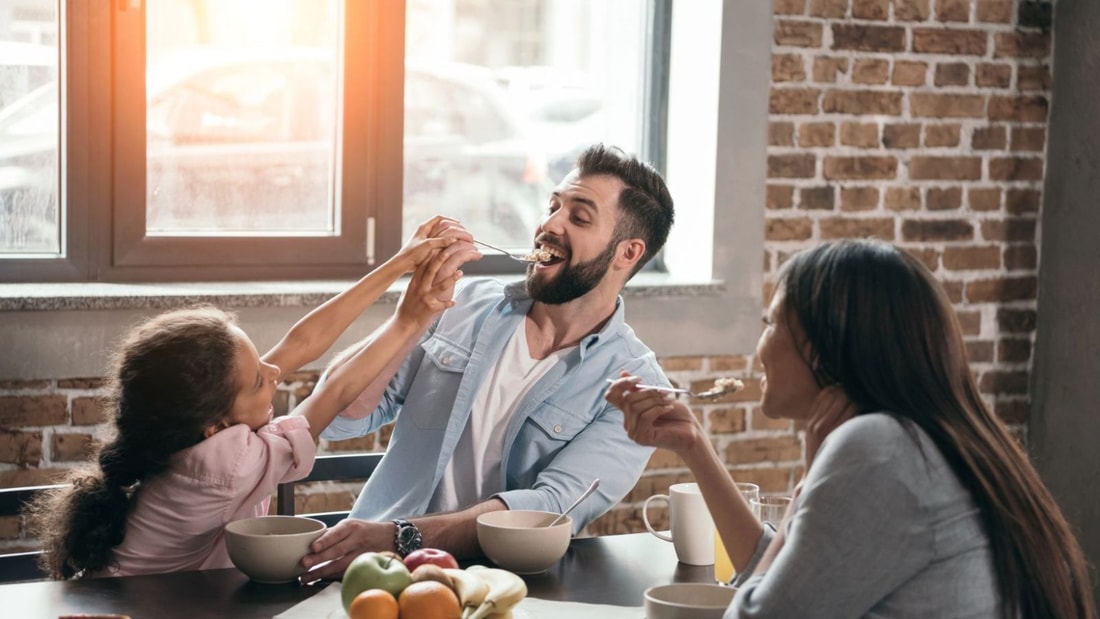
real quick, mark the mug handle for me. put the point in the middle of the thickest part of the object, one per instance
(645, 516)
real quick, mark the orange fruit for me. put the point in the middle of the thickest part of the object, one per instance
(429, 599)
(373, 604)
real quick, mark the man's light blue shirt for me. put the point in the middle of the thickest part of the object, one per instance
(563, 433)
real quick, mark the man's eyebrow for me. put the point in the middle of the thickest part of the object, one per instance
(582, 200)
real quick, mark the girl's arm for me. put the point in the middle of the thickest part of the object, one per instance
(420, 302)
(455, 256)
(311, 336)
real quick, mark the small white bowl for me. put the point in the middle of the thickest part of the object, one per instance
(519, 541)
(686, 600)
(267, 549)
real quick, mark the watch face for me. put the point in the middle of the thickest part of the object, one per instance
(409, 538)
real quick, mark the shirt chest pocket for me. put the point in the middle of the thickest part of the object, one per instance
(556, 423)
(441, 371)
(446, 356)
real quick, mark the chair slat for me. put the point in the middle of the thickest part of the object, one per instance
(335, 467)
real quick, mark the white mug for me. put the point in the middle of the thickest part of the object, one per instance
(689, 522)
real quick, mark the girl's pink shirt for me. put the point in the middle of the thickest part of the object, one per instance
(178, 517)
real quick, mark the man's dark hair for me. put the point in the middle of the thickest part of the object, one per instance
(645, 203)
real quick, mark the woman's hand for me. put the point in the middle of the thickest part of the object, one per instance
(654, 418)
(830, 409)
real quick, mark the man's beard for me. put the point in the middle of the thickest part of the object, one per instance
(572, 282)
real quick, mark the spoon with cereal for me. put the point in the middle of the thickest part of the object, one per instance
(537, 255)
(721, 387)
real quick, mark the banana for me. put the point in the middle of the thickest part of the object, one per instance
(505, 591)
(470, 588)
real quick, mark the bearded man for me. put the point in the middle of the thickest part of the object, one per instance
(499, 405)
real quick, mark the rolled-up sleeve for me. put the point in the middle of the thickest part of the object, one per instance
(279, 452)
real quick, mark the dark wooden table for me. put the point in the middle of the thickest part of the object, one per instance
(614, 569)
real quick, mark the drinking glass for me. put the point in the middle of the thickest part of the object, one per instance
(771, 509)
(723, 567)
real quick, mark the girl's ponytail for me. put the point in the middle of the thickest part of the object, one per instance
(87, 519)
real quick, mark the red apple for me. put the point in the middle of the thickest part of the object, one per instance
(431, 556)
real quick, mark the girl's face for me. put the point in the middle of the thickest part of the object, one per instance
(788, 386)
(256, 383)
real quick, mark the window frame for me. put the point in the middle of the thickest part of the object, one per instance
(102, 187)
(102, 160)
(713, 314)
(364, 146)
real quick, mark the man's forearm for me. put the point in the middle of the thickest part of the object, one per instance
(456, 532)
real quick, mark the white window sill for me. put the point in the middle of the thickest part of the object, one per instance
(68, 330)
(301, 294)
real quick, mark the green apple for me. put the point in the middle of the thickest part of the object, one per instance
(374, 570)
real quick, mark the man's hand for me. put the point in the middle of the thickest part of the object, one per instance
(342, 543)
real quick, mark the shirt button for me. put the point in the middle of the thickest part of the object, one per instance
(557, 428)
(447, 360)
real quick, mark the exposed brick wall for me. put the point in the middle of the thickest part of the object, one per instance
(47, 425)
(922, 122)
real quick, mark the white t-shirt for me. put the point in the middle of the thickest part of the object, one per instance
(474, 474)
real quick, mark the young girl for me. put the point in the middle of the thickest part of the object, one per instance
(194, 443)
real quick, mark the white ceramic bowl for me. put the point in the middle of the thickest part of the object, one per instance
(519, 541)
(687, 601)
(267, 549)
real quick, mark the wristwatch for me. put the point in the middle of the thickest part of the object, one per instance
(406, 537)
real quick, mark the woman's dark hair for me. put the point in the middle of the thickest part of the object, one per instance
(880, 325)
(173, 376)
(645, 204)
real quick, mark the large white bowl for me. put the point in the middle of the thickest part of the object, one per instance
(519, 541)
(268, 549)
(687, 601)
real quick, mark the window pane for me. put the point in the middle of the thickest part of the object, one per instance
(501, 96)
(29, 118)
(241, 117)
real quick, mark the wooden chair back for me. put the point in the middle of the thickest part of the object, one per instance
(16, 566)
(335, 467)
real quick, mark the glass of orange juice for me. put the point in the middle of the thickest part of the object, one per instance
(723, 567)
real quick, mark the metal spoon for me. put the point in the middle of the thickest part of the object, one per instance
(524, 259)
(591, 488)
(713, 392)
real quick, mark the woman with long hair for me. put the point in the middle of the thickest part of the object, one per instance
(915, 501)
